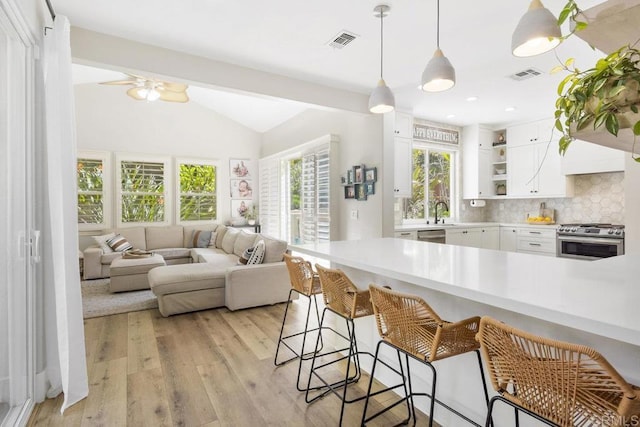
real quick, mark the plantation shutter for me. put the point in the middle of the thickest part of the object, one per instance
(323, 217)
(269, 196)
(309, 199)
(142, 186)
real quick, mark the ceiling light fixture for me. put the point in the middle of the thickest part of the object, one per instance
(381, 99)
(439, 74)
(150, 94)
(472, 98)
(537, 32)
(509, 109)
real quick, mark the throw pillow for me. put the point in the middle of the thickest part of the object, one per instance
(200, 239)
(212, 241)
(102, 242)
(257, 254)
(246, 255)
(229, 239)
(119, 243)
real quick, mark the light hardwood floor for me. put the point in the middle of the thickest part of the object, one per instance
(210, 368)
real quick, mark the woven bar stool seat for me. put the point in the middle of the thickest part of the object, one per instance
(558, 383)
(343, 299)
(407, 324)
(306, 283)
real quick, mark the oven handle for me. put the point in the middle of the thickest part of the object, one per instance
(580, 239)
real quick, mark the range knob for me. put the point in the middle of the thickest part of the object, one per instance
(610, 231)
(574, 229)
(618, 232)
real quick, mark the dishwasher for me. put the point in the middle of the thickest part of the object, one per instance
(433, 236)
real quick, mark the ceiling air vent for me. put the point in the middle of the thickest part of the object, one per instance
(342, 39)
(525, 74)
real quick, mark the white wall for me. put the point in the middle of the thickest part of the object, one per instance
(109, 120)
(360, 143)
(632, 205)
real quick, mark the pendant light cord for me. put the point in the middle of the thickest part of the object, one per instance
(381, 40)
(438, 23)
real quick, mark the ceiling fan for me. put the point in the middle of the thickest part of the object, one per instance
(149, 89)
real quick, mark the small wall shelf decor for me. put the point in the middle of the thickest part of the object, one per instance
(359, 182)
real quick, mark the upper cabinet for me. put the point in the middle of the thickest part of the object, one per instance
(402, 167)
(403, 127)
(534, 162)
(476, 162)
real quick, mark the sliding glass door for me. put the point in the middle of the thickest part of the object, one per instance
(16, 313)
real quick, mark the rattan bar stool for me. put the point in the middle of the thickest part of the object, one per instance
(304, 282)
(343, 299)
(558, 383)
(409, 325)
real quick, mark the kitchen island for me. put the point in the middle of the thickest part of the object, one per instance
(592, 303)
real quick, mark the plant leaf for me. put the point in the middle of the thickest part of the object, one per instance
(616, 90)
(569, 62)
(559, 125)
(600, 118)
(556, 69)
(634, 108)
(580, 25)
(636, 128)
(563, 83)
(564, 15)
(612, 124)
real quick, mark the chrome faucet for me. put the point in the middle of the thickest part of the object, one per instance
(436, 209)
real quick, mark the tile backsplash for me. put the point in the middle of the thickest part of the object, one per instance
(597, 198)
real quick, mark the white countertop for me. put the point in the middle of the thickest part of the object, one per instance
(423, 226)
(600, 297)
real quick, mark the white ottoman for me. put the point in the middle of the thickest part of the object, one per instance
(130, 274)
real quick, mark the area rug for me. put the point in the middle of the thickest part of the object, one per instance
(98, 301)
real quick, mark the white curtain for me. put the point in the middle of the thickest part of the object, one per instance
(65, 350)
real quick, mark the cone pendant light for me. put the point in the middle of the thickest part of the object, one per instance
(381, 99)
(536, 33)
(439, 74)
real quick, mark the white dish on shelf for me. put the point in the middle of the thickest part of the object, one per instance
(500, 171)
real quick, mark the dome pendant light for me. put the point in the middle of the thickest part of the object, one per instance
(381, 99)
(439, 74)
(537, 32)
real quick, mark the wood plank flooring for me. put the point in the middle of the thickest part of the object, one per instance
(210, 368)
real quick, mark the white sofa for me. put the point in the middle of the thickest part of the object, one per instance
(207, 277)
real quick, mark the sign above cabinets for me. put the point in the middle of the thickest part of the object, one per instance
(429, 133)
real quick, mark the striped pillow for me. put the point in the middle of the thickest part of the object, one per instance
(258, 253)
(119, 243)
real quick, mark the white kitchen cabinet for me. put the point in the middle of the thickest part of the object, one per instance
(537, 241)
(534, 171)
(585, 157)
(402, 167)
(464, 237)
(403, 126)
(508, 239)
(532, 133)
(475, 237)
(476, 162)
(409, 235)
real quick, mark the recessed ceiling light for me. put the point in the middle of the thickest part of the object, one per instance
(472, 98)
(450, 116)
(510, 109)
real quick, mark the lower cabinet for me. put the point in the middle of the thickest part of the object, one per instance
(477, 237)
(530, 240)
(508, 239)
(409, 235)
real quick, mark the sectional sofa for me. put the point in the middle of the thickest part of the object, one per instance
(206, 276)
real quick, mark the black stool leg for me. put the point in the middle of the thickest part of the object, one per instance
(284, 320)
(312, 299)
(488, 422)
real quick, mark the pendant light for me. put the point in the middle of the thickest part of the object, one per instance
(536, 33)
(381, 99)
(439, 74)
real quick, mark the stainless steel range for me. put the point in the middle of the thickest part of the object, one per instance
(589, 241)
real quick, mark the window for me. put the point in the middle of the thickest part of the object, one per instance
(197, 198)
(93, 193)
(143, 190)
(432, 182)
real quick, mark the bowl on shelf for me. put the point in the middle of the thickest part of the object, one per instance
(501, 171)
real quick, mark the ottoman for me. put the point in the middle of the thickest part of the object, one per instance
(187, 287)
(130, 274)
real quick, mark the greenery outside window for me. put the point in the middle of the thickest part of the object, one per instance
(143, 190)
(433, 181)
(93, 181)
(197, 190)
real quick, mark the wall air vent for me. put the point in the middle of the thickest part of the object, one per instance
(525, 74)
(342, 39)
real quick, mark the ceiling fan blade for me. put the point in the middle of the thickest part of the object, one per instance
(170, 96)
(174, 87)
(120, 82)
(133, 92)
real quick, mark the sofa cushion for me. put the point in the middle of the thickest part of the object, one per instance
(229, 239)
(200, 239)
(164, 237)
(220, 232)
(189, 229)
(102, 242)
(243, 242)
(274, 249)
(184, 278)
(135, 236)
(218, 261)
(173, 253)
(107, 259)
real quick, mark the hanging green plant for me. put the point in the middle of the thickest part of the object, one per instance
(605, 96)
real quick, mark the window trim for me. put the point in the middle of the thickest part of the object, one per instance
(168, 185)
(176, 173)
(455, 176)
(107, 189)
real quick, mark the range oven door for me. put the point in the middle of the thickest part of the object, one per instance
(588, 247)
